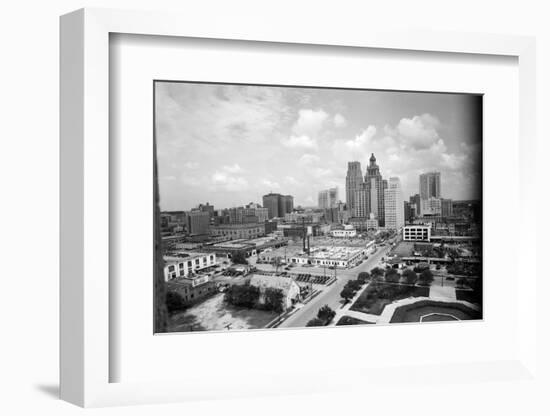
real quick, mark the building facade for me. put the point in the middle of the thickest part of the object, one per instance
(328, 198)
(186, 265)
(375, 186)
(278, 205)
(198, 222)
(430, 185)
(394, 214)
(417, 232)
(239, 231)
(354, 182)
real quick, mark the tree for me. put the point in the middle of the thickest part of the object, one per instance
(392, 276)
(239, 258)
(426, 277)
(421, 267)
(316, 322)
(377, 273)
(363, 276)
(347, 293)
(242, 295)
(326, 314)
(174, 301)
(273, 299)
(276, 262)
(409, 276)
(354, 285)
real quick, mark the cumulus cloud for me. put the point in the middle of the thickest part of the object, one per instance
(339, 120)
(270, 184)
(309, 122)
(235, 168)
(229, 183)
(309, 159)
(303, 142)
(363, 139)
(419, 132)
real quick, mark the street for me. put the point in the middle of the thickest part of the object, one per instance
(331, 295)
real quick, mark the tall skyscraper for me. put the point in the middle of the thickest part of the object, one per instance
(393, 205)
(354, 182)
(430, 185)
(375, 186)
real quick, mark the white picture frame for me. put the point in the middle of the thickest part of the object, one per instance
(85, 165)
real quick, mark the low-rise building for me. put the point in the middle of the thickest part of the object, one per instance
(186, 264)
(191, 292)
(417, 232)
(287, 285)
(239, 231)
(347, 231)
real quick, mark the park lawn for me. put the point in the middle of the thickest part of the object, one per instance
(349, 320)
(376, 296)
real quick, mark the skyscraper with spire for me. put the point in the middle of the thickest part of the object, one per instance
(354, 182)
(375, 186)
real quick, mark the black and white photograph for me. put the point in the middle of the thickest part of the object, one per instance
(296, 207)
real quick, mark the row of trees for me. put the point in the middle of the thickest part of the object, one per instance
(419, 275)
(353, 286)
(248, 296)
(324, 316)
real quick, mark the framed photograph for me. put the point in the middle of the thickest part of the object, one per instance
(231, 196)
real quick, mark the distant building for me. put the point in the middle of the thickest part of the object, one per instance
(393, 205)
(198, 222)
(446, 208)
(287, 285)
(207, 208)
(409, 211)
(361, 202)
(430, 185)
(417, 232)
(307, 217)
(354, 182)
(256, 210)
(348, 231)
(430, 207)
(288, 204)
(371, 224)
(328, 198)
(278, 205)
(375, 186)
(239, 231)
(415, 203)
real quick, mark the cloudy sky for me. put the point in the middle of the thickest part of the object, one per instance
(231, 144)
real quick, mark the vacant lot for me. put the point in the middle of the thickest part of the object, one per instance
(404, 249)
(216, 315)
(376, 296)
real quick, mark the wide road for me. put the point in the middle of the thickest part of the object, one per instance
(331, 295)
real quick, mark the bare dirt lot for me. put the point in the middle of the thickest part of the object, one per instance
(215, 315)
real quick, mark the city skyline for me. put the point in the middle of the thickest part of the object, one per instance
(231, 144)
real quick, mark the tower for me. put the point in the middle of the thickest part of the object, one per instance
(375, 186)
(354, 182)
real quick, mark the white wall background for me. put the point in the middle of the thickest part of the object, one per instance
(29, 203)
